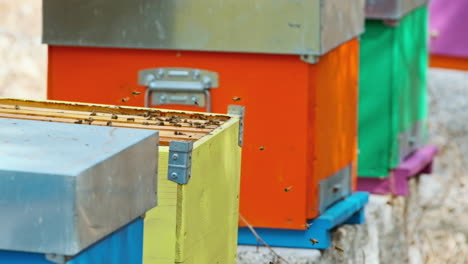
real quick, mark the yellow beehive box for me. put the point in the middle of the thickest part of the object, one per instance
(197, 214)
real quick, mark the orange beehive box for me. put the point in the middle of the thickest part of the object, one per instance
(300, 127)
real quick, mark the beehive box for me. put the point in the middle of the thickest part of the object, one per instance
(66, 195)
(196, 219)
(449, 43)
(275, 58)
(393, 92)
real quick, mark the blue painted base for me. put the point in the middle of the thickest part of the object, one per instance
(121, 247)
(349, 211)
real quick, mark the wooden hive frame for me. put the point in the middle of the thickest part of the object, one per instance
(194, 222)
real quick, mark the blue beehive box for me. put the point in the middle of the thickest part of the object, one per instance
(74, 194)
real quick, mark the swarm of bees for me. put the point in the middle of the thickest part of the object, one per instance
(202, 122)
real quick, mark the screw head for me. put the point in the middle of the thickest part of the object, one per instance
(174, 175)
(175, 157)
(160, 74)
(150, 78)
(196, 75)
(162, 98)
(207, 81)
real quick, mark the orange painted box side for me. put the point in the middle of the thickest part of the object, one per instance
(336, 113)
(280, 92)
(448, 62)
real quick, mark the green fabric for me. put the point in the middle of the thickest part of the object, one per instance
(393, 94)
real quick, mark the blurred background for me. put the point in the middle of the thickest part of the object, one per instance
(438, 232)
(23, 58)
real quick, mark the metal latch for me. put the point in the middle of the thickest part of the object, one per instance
(238, 111)
(178, 86)
(180, 161)
(335, 188)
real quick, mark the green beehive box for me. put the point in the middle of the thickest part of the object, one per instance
(393, 91)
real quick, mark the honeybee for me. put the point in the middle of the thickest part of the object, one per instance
(339, 249)
(125, 99)
(313, 241)
(262, 148)
(115, 117)
(109, 123)
(131, 119)
(235, 99)
(93, 114)
(288, 189)
(136, 93)
(17, 107)
(79, 122)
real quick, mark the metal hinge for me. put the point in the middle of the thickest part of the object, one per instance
(238, 111)
(58, 259)
(180, 161)
(178, 86)
(311, 59)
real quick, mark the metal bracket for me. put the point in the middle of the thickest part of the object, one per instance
(55, 258)
(335, 188)
(311, 59)
(391, 22)
(179, 86)
(238, 111)
(180, 161)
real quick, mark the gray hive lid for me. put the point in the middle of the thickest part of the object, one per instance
(391, 9)
(306, 27)
(64, 186)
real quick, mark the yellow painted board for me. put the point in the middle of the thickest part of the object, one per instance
(209, 204)
(197, 222)
(159, 244)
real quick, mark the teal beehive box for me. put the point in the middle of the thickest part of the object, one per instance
(393, 86)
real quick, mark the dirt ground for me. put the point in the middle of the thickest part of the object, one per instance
(443, 196)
